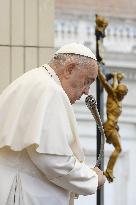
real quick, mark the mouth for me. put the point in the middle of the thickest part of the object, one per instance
(76, 99)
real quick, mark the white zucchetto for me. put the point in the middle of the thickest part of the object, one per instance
(76, 48)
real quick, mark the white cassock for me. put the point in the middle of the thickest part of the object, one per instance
(41, 160)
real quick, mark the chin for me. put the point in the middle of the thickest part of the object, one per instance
(72, 101)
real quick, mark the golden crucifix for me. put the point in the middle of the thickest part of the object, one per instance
(115, 94)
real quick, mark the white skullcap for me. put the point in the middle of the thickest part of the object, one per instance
(78, 49)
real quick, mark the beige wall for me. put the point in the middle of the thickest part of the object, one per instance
(26, 36)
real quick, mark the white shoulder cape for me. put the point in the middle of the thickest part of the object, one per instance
(34, 109)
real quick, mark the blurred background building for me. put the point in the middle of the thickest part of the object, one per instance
(30, 31)
(26, 36)
(75, 22)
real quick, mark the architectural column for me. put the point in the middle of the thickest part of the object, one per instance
(27, 36)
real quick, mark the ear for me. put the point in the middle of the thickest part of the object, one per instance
(69, 70)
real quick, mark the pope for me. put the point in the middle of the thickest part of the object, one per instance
(41, 159)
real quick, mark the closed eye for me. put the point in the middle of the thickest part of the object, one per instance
(89, 81)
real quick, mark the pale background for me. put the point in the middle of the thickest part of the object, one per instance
(30, 31)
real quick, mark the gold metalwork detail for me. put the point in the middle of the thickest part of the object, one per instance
(101, 24)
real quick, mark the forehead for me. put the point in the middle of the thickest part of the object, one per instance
(91, 69)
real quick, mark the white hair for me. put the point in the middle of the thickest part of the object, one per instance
(63, 59)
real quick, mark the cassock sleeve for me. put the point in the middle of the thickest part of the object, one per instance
(66, 172)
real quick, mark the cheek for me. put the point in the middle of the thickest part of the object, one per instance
(77, 85)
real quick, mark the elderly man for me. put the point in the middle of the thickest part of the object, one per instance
(41, 160)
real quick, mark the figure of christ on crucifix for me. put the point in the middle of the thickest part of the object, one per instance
(115, 94)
